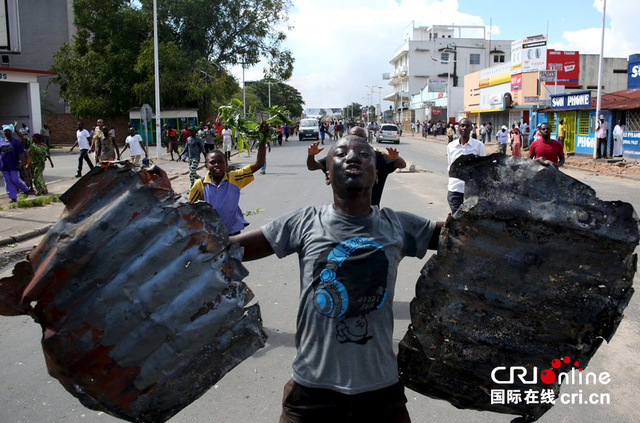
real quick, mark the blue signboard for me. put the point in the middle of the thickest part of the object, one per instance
(631, 144)
(633, 79)
(585, 144)
(579, 100)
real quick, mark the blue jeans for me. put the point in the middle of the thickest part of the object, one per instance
(455, 200)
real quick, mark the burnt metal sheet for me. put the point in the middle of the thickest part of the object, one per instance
(139, 295)
(532, 268)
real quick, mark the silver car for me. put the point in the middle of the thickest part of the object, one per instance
(389, 132)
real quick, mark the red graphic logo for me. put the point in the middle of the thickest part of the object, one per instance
(548, 376)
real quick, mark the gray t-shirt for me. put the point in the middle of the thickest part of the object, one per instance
(195, 147)
(348, 269)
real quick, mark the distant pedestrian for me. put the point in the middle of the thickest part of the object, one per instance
(515, 140)
(135, 145)
(561, 131)
(618, 135)
(602, 134)
(38, 156)
(45, 132)
(195, 147)
(82, 141)
(462, 146)
(171, 139)
(502, 136)
(106, 148)
(12, 156)
(227, 140)
(546, 150)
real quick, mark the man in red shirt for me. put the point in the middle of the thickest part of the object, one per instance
(546, 150)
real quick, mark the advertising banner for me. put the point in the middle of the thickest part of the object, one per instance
(579, 100)
(516, 57)
(631, 144)
(566, 64)
(534, 53)
(437, 85)
(516, 82)
(633, 80)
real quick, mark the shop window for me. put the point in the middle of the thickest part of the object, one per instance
(583, 122)
(633, 120)
(474, 59)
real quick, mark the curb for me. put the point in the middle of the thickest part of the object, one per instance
(25, 236)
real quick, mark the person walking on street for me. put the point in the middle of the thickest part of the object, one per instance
(82, 141)
(195, 148)
(515, 140)
(106, 148)
(38, 155)
(602, 134)
(546, 150)
(45, 132)
(618, 135)
(502, 136)
(135, 145)
(561, 131)
(345, 363)
(12, 157)
(462, 146)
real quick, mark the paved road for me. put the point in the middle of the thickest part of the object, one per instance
(252, 391)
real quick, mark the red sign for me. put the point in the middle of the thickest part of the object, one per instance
(435, 112)
(566, 63)
(516, 82)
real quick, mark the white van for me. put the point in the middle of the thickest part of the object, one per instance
(309, 129)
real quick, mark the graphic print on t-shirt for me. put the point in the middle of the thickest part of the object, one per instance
(350, 281)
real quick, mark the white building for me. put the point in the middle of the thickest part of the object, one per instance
(436, 53)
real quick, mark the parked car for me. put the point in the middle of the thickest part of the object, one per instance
(309, 129)
(389, 132)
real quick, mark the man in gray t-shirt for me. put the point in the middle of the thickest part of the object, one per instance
(349, 254)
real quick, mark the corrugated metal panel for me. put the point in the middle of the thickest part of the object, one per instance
(533, 267)
(139, 295)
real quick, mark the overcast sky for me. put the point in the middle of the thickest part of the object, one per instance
(341, 46)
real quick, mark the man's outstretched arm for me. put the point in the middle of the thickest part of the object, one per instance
(312, 163)
(254, 243)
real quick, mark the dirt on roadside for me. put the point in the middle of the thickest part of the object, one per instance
(612, 167)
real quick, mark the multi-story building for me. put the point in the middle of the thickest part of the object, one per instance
(30, 34)
(429, 55)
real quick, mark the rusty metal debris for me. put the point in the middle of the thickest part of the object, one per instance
(533, 267)
(139, 296)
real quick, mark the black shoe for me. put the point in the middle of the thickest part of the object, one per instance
(13, 200)
(78, 175)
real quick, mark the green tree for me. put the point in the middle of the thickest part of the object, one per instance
(281, 94)
(108, 68)
(352, 110)
(230, 32)
(95, 73)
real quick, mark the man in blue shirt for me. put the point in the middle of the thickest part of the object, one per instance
(11, 156)
(221, 189)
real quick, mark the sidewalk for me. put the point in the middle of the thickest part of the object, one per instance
(21, 224)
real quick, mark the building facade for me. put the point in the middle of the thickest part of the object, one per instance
(438, 56)
(33, 32)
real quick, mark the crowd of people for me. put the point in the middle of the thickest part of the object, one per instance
(23, 158)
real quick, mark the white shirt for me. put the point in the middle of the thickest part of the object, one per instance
(83, 139)
(134, 142)
(226, 135)
(455, 150)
